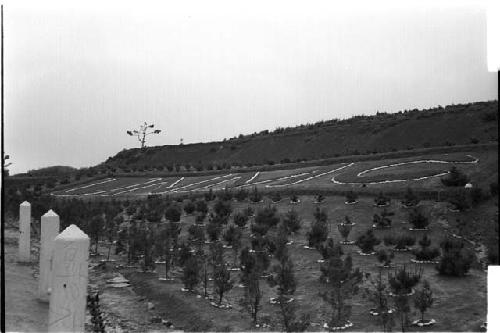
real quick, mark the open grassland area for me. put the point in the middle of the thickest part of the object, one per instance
(460, 302)
(420, 172)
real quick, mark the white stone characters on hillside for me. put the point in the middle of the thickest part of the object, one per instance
(49, 231)
(68, 297)
(24, 231)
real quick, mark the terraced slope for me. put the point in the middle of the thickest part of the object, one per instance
(419, 172)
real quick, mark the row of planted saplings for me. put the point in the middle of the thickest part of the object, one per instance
(263, 246)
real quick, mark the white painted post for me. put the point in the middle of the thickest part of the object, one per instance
(68, 296)
(24, 232)
(49, 231)
(161, 269)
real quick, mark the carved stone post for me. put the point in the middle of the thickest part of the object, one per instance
(68, 296)
(49, 231)
(24, 232)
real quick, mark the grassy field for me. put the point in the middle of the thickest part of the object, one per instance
(460, 302)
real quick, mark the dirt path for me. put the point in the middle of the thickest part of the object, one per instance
(24, 313)
(122, 309)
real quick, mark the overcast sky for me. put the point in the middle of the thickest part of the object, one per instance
(77, 77)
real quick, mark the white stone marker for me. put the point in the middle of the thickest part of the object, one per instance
(161, 269)
(24, 232)
(68, 296)
(49, 231)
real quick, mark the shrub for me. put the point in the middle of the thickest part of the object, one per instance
(196, 233)
(225, 195)
(292, 221)
(261, 246)
(222, 220)
(410, 199)
(320, 198)
(252, 294)
(275, 197)
(320, 215)
(367, 241)
(456, 260)
(385, 257)
(191, 273)
(201, 207)
(455, 178)
(173, 213)
(241, 195)
(283, 277)
(489, 116)
(382, 221)
(381, 199)
(184, 254)
(403, 281)
(214, 230)
(231, 234)
(492, 246)
(345, 230)
(347, 220)
(200, 218)
(318, 233)
(351, 196)
(209, 196)
(294, 198)
(459, 199)
(222, 208)
(189, 207)
(494, 188)
(259, 229)
(423, 299)
(418, 219)
(267, 216)
(240, 219)
(426, 252)
(342, 284)
(330, 249)
(222, 280)
(255, 196)
(248, 211)
(400, 241)
(476, 195)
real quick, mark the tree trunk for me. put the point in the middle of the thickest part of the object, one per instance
(109, 250)
(285, 315)
(255, 310)
(205, 281)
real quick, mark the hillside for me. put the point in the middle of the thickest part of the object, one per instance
(405, 130)
(51, 171)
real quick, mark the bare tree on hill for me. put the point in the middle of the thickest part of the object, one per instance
(143, 131)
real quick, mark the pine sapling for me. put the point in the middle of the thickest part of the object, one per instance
(423, 299)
